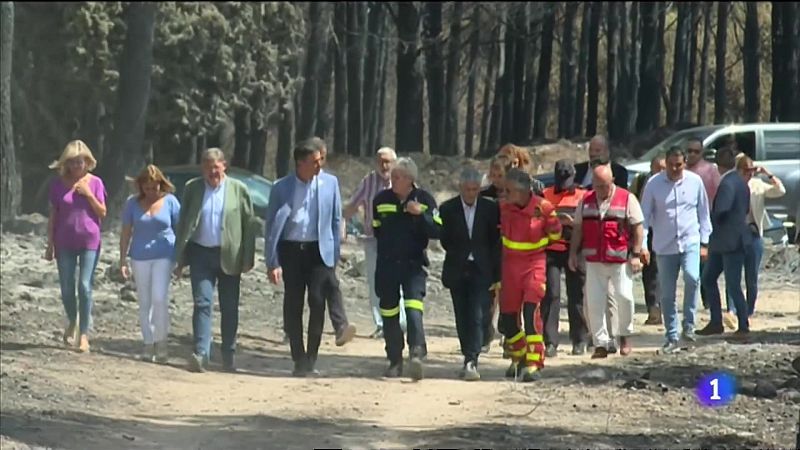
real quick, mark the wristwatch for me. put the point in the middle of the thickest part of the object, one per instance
(636, 254)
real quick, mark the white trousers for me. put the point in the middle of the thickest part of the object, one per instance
(609, 293)
(152, 278)
(371, 259)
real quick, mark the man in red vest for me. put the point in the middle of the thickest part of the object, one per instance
(564, 195)
(608, 231)
(527, 225)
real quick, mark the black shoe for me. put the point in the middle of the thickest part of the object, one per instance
(394, 370)
(612, 348)
(578, 349)
(551, 351)
(300, 369)
(512, 370)
(227, 362)
(711, 329)
(599, 353)
(416, 369)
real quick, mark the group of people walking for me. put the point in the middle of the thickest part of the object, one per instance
(506, 246)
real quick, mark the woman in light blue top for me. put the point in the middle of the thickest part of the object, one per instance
(150, 219)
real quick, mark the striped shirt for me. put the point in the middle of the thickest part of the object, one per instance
(370, 185)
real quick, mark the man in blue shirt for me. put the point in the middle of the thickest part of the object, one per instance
(675, 207)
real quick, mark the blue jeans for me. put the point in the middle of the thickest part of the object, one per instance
(752, 264)
(206, 271)
(731, 263)
(668, 266)
(68, 261)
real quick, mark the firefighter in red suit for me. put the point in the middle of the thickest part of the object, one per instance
(527, 224)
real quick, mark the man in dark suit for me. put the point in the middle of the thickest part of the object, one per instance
(471, 238)
(599, 154)
(729, 238)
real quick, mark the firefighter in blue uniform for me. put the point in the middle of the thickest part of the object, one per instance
(405, 218)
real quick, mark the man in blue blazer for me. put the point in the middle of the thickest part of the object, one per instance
(729, 239)
(302, 247)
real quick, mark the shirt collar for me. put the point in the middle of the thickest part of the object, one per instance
(215, 189)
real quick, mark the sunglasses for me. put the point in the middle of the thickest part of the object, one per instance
(598, 162)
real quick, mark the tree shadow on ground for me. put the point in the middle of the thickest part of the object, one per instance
(85, 431)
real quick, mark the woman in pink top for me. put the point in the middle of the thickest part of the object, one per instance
(77, 207)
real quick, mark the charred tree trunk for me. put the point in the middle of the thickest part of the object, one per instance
(496, 118)
(521, 55)
(285, 143)
(434, 71)
(703, 91)
(791, 48)
(474, 48)
(258, 146)
(325, 86)
(408, 121)
(688, 98)
(752, 67)
(241, 149)
(680, 64)
(620, 113)
(506, 118)
(583, 57)
(720, 95)
(650, 88)
(494, 60)
(340, 106)
(356, 46)
(379, 129)
(375, 24)
(592, 71)
(566, 112)
(11, 194)
(543, 78)
(134, 95)
(612, 45)
(453, 82)
(634, 61)
(535, 33)
(315, 58)
(779, 81)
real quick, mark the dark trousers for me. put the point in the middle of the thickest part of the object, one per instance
(205, 272)
(471, 300)
(732, 264)
(551, 306)
(303, 269)
(333, 298)
(389, 277)
(650, 278)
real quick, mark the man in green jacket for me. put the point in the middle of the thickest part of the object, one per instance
(216, 238)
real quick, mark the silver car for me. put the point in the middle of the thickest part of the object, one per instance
(775, 146)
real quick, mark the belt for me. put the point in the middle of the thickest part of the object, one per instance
(203, 246)
(301, 245)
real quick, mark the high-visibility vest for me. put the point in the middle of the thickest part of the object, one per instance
(606, 239)
(528, 230)
(565, 202)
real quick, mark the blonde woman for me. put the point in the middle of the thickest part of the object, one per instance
(77, 208)
(150, 219)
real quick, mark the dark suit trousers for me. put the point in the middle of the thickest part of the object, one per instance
(650, 279)
(471, 298)
(333, 298)
(551, 307)
(303, 269)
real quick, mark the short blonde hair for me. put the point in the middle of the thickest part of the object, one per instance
(153, 173)
(74, 149)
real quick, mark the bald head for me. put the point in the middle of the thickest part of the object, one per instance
(602, 180)
(598, 148)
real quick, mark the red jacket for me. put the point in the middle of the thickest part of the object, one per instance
(564, 202)
(528, 230)
(606, 240)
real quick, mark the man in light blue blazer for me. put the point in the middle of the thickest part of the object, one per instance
(302, 247)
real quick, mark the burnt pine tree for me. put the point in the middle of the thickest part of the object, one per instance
(592, 71)
(11, 183)
(126, 152)
(522, 53)
(376, 21)
(325, 86)
(566, 112)
(286, 134)
(628, 127)
(620, 113)
(680, 64)
(612, 46)
(543, 77)
(408, 119)
(494, 64)
(453, 82)
(434, 72)
(688, 91)
(779, 81)
(650, 87)
(791, 30)
(315, 60)
(474, 48)
(498, 111)
(720, 96)
(583, 59)
(535, 35)
(384, 69)
(356, 47)
(340, 100)
(751, 64)
(704, 83)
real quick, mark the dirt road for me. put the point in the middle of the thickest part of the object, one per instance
(54, 397)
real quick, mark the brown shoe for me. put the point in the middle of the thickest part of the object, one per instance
(600, 352)
(625, 346)
(346, 335)
(654, 317)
